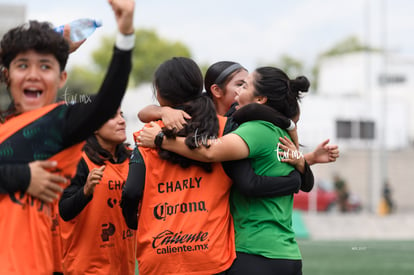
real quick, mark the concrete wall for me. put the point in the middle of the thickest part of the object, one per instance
(362, 170)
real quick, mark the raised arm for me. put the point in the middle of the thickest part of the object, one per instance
(82, 119)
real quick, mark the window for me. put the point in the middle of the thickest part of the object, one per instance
(391, 79)
(355, 129)
(366, 129)
(343, 129)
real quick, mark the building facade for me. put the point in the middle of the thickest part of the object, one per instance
(365, 104)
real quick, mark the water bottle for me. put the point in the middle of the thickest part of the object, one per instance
(80, 29)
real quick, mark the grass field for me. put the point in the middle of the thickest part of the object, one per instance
(357, 257)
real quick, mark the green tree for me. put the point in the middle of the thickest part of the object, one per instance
(348, 45)
(150, 51)
(81, 80)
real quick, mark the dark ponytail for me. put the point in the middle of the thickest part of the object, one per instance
(282, 93)
(179, 81)
(202, 126)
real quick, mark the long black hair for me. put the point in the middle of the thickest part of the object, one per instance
(180, 82)
(283, 94)
(99, 155)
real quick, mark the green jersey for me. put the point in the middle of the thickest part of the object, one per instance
(264, 225)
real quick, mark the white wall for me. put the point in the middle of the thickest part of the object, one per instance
(358, 74)
(351, 83)
(319, 115)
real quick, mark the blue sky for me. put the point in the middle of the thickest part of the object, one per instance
(250, 32)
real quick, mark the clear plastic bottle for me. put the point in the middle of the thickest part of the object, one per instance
(81, 28)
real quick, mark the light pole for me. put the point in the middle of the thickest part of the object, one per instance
(383, 110)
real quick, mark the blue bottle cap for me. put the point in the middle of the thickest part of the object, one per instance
(98, 23)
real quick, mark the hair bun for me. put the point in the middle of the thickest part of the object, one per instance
(300, 84)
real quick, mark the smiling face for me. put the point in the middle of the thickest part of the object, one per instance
(231, 89)
(112, 132)
(34, 80)
(246, 93)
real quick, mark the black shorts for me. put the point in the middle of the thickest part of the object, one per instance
(249, 264)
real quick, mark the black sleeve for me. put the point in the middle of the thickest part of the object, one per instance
(82, 119)
(14, 177)
(256, 111)
(133, 190)
(73, 200)
(307, 179)
(230, 126)
(232, 109)
(250, 184)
